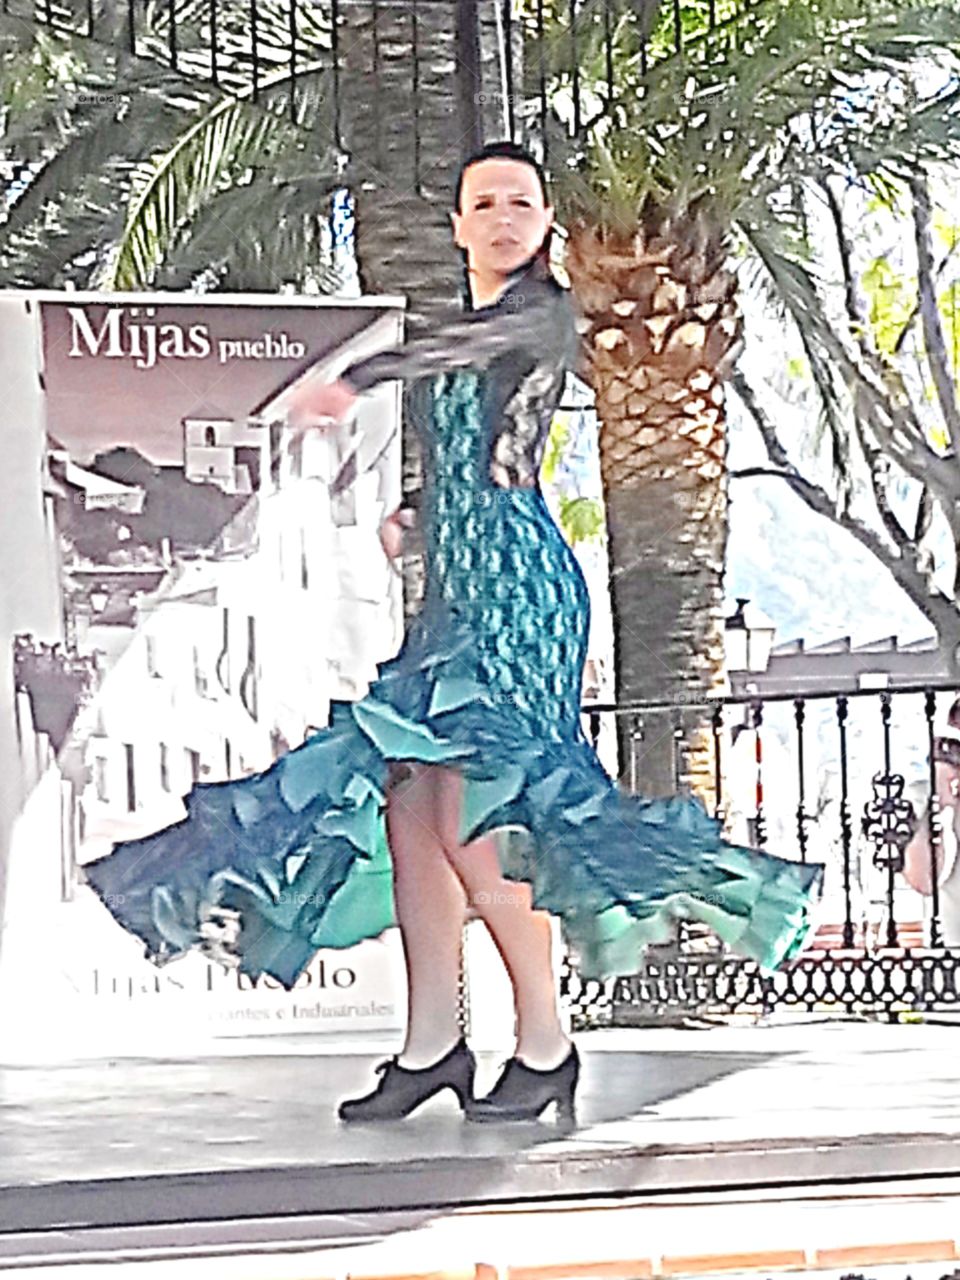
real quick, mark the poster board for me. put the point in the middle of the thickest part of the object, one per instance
(181, 597)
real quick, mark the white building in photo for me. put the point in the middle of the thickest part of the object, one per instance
(219, 450)
(92, 491)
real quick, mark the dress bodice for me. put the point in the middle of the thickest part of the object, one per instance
(523, 344)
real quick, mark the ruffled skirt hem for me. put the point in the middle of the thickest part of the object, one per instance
(267, 869)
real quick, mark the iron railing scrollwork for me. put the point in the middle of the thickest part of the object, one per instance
(887, 824)
(882, 952)
(886, 984)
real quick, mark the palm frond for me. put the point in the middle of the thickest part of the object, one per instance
(791, 288)
(112, 118)
(105, 134)
(168, 191)
(232, 138)
(896, 148)
(256, 236)
(64, 247)
(104, 126)
(714, 121)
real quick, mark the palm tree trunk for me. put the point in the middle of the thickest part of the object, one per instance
(665, 327)
(414, 105)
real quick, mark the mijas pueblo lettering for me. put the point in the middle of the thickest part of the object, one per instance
(317, 976)
(133, 333)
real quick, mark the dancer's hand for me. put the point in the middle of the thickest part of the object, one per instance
(392, 530)
(319, 405)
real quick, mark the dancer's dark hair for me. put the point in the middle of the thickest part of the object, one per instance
(539, 262)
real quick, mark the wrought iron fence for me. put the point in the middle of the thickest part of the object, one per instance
(582, 45)
(842, 796)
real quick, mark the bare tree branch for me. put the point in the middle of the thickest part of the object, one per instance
(924, 516)
(881, 402)
(889, 415)
(904, 565)
(884, 372)
(915, 309)
(851, 299)
(936, 347)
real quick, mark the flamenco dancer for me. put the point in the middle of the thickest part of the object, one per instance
(463, 777)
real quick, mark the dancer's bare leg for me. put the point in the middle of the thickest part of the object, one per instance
(522, 935)
(430, 905)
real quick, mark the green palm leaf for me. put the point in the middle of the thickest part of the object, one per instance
(210, 157)
(166, 145)
(256, 236)
(169, 191)
(714, 122)
(83, 131)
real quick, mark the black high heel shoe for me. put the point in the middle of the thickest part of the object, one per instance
(402, 1089)
(522, 1093)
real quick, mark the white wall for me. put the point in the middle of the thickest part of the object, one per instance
(29, 587)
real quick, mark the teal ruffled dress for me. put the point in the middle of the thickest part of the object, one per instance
(265, 870)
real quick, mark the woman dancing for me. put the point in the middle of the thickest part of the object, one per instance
(464, 776)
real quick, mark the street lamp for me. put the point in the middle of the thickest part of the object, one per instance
(748, 640)
(748, 637)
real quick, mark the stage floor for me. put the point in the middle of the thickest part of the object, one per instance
(251, 1134)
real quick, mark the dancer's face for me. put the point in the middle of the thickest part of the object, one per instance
(502, 219)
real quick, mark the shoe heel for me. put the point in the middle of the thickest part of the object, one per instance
(566, 1097)
(464, 1088)
(566, 1110)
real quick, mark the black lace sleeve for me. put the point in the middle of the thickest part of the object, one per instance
(531, 314)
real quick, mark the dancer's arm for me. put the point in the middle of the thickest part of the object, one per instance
(534, 316)
(537, 317)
